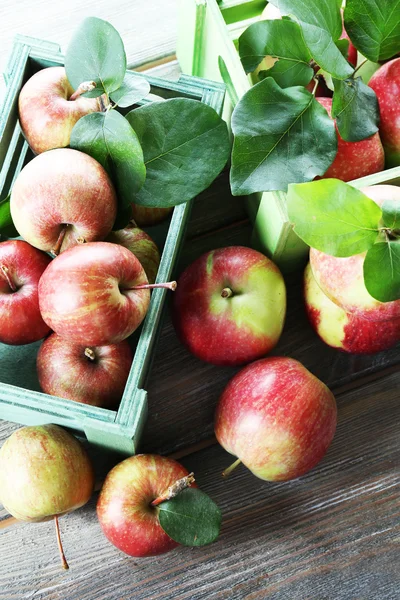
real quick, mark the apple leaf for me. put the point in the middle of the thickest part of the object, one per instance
(185, 145)
(110, 139)
(355, 108)
(374, 27)
(7, 227)
(96, 53)
(191, 518)
(287, 73)
(391, 214)
(133, 88)
(281, 136)
(382, 271)
(333, 217)
(280, 39)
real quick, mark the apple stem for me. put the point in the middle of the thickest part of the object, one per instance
(57, 247)
(60, 546)
(6, 275)
(174, 489)
(170, 285)
(359, 66)
(315, 85)
(132, 224)
(90, 354)
(233, 466)
(226, 293)
(85, 86)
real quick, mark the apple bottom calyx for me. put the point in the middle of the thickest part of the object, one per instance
(4, 272)
(174, 489)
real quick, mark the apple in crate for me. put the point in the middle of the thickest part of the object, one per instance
(93, 375)
(230, 306)
(48, 109)
(277, 418)
(21, 267)
(346, 331)
(63, 197)
(141, 245)
(144, 216)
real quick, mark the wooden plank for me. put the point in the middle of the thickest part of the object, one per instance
(333, 533)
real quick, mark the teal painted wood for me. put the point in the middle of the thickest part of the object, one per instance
(20, 398)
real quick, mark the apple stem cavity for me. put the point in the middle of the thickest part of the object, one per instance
(6, 275)
(170, 285)
(57, 247)
(90, 354)
(60, 546)
(233, 466)
(174, 489)
(226, 293)
(85, 86)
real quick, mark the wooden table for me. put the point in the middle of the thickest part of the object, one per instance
(331, 535)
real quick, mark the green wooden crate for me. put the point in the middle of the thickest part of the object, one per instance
(20, 397)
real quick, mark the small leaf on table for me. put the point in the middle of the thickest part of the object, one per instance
(133, 88)
(355, 108)
(382, 271)
(391, 214)
(7, 227)
(185, 145)
(191, 518)
(281, 136)
(96, 53)
(333, 217)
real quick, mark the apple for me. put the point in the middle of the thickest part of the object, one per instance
(386, 84)
(95, 294)
(342, 330)
(145, 216)
(277, 418)
(142, 246)
(124, 506)
(354, 159)
(342, 279)
(230, 306)
(63, 197)
(21, 267)
(47, 113)
(90, 375)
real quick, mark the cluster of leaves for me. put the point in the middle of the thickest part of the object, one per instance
(282, 135)
(337, 219)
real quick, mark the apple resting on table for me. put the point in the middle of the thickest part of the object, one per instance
(91, 375)
(230, 306)
(277, 418)
(346, 331)
(21, 267)
(47, 113)
(63, 197)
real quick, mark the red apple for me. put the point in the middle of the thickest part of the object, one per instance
(145, 216)
(277, 417)
(124, 507)
(47, 113)
(142, 245)
(342, 330)
(386, 84)
(90, 375)
(342, 279)
(230, 306)
(354, 159)
(87, 294)
(21, 267)
(62, 197)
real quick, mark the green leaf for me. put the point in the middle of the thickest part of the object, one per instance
(374, 27)
(133, 88)
(280, 137)
(7, 227)
(355, 107)
(191, 518)
(382, 271)
(110, 139)
(280, 39)
(96, 53)
(288, 74)
(333, 217)
(391, 214)
(185, 145)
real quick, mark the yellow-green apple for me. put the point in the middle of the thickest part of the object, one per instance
(354, 159)
(141, 244)
(343, 330)
(62, 197)
(386, 84)
(21, 267)
(95, 294)
(48, 109)
(145, 216)
(93, 375)
(230, 306)
(124, 507)
(342, 279)
(277, 418)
